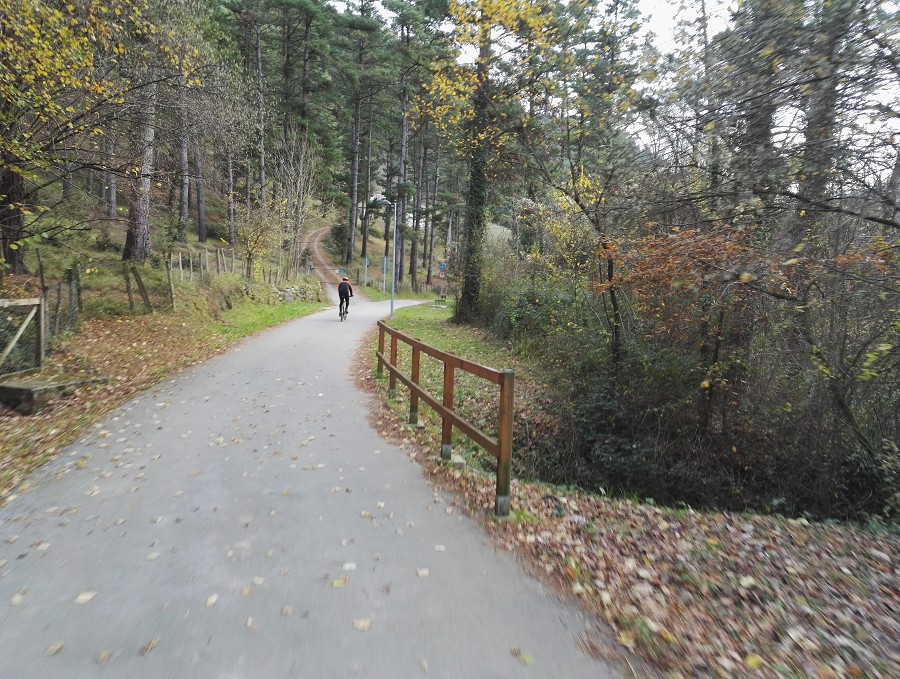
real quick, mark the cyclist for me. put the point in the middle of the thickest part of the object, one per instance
(345, 292)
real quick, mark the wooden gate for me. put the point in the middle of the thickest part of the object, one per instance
(35, 314)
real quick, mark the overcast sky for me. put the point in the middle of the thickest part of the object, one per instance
(662, 17)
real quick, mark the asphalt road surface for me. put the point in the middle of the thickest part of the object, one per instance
(242, 520)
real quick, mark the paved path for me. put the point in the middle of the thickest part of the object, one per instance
(243, 520)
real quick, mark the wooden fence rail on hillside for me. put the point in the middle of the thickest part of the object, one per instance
(500, 448)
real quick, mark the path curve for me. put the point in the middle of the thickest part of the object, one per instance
(243, 520)
(322, 266)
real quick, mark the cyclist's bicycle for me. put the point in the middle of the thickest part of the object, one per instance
(342, 312)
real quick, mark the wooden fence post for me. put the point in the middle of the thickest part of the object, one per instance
(380, 371)
(128, 286)
(504, 439)
(78, 304)
(392, 381)
(171, 284)
(41, 331)
(45, 307)
(140, 283)
(58, 309)
(413, 395)
(70, 281)
(447, 423)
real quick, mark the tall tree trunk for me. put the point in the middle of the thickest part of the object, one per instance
(108, 195)
(417, 218)
(12, 219)
(889, 196)
(201, 195)
(354, 177)
(402, 177)
(110, 179)
(756, 161)
(185, 171)
(67, 182)
(388, 213)
(112, 198)
(477, 193)
(432, 212)
(287, 71)
(137, 239)
(261, 120)
(229, 167)
(820, 145)
(248, 182)
(367, 188)
(305, 87)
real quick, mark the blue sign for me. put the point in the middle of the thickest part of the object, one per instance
(442, 265)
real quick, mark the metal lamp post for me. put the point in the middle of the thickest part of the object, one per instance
(385, 202)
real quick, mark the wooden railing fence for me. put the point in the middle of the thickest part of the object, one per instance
(500, 448)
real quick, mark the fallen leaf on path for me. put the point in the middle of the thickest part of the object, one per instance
(84, 597)
(211, 600)
(53, 649)
(523, 658)
(362, 624)
(150, 645)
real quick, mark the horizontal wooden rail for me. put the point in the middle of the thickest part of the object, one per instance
(500, 448)
(31, 301)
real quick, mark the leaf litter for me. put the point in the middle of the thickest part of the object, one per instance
(716, 594)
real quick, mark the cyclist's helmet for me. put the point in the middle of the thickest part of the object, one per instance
(346, 279)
